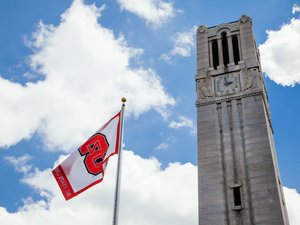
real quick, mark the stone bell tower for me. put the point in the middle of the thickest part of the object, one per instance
(239, 182)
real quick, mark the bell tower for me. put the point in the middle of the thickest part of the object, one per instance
(238, 177)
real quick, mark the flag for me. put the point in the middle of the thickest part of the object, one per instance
(86, 167)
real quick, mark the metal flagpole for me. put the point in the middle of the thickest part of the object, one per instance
(118, 179)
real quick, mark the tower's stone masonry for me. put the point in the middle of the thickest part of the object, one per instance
(239, 182)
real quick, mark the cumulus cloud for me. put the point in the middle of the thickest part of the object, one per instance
(84, 70)
(20, 163)
(154, 12)
(183, 122)
(280, 53)
(292, 198)
(183, 42)
(148, 196)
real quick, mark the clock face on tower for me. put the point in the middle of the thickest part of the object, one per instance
(227, 84)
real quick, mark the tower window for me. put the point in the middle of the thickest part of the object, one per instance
(237, 196)
(225, 48)
(215, 54)
(236, 52)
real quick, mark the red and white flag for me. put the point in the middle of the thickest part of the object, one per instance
(86, 166)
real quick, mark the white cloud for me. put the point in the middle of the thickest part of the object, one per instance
(183, 122)
(183, 44)
(20, 163)
(167, 58)
(162, 146)
(154, 12)
(280, 54)
(292, 198)
(149, 195)
(295, 9)
(86, 71)
(166, 143)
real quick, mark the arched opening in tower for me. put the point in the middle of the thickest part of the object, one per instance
(236, 52)
(215, 54)
(225, 48)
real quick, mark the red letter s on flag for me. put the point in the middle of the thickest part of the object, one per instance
(94, 151)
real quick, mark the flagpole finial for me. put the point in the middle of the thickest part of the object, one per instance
(123, 99)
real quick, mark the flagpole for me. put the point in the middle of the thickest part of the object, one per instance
(118, 179)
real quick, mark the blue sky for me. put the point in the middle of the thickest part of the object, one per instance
(65, 65)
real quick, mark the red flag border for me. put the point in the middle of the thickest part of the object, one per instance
(63, 182)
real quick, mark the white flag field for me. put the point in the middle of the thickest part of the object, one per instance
(86, 167)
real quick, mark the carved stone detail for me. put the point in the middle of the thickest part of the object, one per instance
(250, 78)
(202, 29)
(204, 88)
(198, 103)
(245, 19)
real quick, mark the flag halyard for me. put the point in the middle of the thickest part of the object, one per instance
(86, 167)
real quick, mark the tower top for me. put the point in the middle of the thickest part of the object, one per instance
(227, 47)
